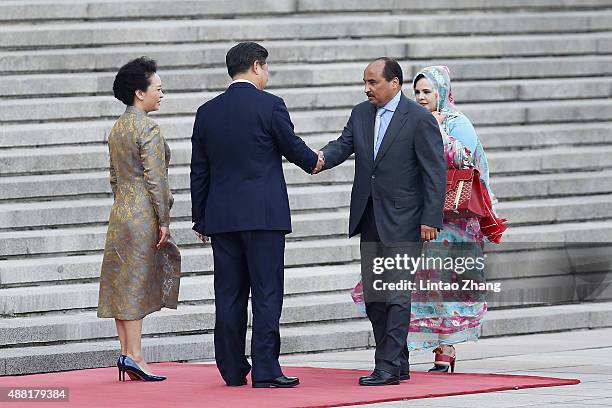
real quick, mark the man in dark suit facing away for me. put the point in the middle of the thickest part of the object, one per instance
(397, 202)
(239, 200)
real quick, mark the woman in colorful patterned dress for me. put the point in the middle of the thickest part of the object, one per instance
(438, 322)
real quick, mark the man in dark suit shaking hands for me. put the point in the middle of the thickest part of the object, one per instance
(396, 203)
(239, 199)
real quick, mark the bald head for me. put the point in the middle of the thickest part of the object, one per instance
(376, 67)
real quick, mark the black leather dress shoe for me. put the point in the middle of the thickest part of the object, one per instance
(279, 382)
(404, 375)
(379, 377)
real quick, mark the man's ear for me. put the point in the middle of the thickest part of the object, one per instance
(396, 83)
(256, 67)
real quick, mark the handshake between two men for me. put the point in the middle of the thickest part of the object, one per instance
(320, 162)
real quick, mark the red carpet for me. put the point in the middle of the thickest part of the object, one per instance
(196, 385)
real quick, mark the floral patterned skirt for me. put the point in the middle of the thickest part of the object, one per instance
(434, 322)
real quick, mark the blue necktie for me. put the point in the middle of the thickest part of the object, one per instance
(379, 133)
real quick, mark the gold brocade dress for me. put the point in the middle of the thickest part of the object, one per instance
(137, 279)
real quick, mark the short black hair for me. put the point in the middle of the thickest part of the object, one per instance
(392, 69)
(242, 56)
(133, 76)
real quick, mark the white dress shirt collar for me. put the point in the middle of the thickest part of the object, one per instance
(243, 80)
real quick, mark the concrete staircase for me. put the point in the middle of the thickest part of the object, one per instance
(535, 76)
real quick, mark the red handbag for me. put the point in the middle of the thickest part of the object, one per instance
(464, 197)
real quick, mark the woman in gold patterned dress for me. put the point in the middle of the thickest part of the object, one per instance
(141, 265)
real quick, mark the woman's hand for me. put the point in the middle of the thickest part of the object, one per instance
(164, 234)
(439, 117)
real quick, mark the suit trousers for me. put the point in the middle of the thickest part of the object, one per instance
(243, 261)
(389, 313)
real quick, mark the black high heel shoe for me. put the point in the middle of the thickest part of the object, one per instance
(120, 367)
(129, 366)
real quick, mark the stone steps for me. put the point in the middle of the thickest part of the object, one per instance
(65, 269)
(315, 121)
(68, 185)
(552, 185)
(493, 137)
(304, 286)
(87, 239)
(91, 158)
(82, 326)
(472, 94)
(396, 6)
(355, 333)
(193, 289)
(535, 76)
(323, 250)
(546, 319)
(66, 10)
(73, 356)
(336, 50)
(307, 225)
(86, 185)
(95, 34)
(96, 210)
(91, 210)
(553, 284)
(547, 69)
(328, 299)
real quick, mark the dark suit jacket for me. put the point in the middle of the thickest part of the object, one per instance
(237, 180)
(406, 181)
